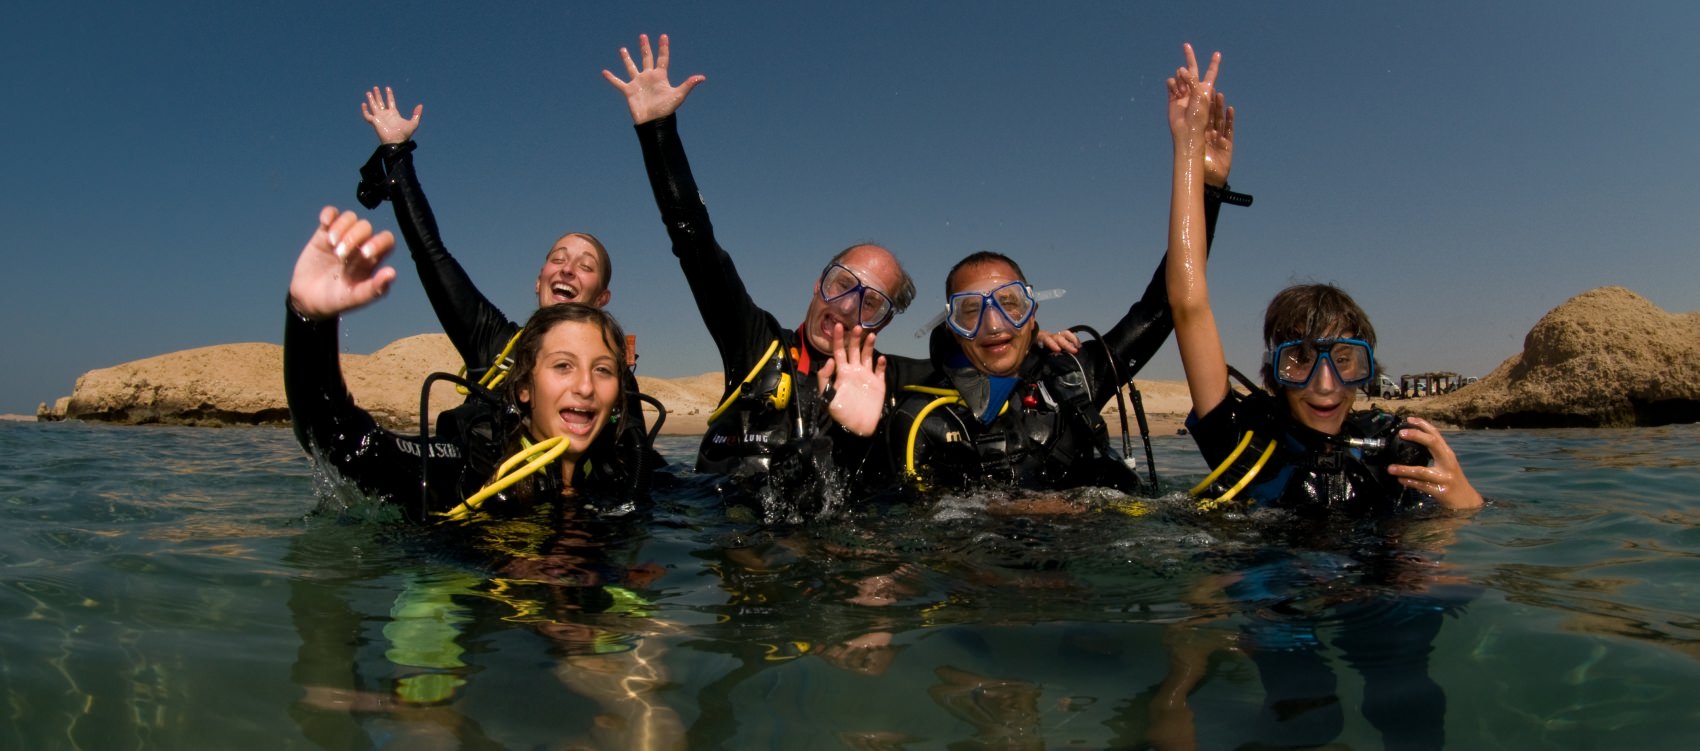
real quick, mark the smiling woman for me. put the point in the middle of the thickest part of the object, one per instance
(565, 396)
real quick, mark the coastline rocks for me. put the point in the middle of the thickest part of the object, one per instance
(1605, 358)
(242, 384)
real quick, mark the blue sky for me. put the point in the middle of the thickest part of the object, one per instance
(1461, 168)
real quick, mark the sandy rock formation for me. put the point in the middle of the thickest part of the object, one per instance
(1605, 358)
(242, 384)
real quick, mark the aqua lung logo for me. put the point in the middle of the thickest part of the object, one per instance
(438, 450)
(732, 440)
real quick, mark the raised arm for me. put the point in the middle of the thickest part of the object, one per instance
(1146, 325)
(649, 95)
(476, 327)
(386, 120)
(1192, 102)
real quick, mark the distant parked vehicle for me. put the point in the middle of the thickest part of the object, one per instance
(1383, 388)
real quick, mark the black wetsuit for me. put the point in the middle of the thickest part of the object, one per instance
(752, 438)
(388, 464)
(477, 328)
(1308, 472)
(1339, 566)
(1051, 434)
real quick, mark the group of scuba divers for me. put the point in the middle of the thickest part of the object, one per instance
(554, 411)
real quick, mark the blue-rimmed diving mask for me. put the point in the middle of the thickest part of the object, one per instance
(873, 307)
(966, 310)
(1295, 362)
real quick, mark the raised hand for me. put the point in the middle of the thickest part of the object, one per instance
(1191, 98)
(339, 270)
(1444, 479)
(649, 95)
(386, 119)
(1219, 142)
(855, 380)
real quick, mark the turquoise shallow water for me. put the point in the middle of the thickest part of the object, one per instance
(170, 588)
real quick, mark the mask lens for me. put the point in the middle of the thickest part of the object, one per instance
(876, 308)
(965, 310)
(1352, 361)
(1015, 303)
(837, 282)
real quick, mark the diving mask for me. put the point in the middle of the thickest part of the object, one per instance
(1295, 362)
(967, 310)
(873, 307)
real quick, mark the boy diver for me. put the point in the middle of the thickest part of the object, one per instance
(1306, 449)
(1300, 448)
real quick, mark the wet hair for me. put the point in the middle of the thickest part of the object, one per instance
(905, 291)
(530, 343)
(978, 258)
(602, 257)
(1311, 311)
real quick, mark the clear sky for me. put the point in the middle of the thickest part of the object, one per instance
(1460, 167)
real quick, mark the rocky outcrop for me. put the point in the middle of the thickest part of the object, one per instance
(1605, 358)
(242, 384)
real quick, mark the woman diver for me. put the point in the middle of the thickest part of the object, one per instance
(1307, 450)
(569, 370)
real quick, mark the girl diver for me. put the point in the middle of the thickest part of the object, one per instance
(569, 367)
(1306, 450)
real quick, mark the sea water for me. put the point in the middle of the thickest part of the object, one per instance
(199, 588)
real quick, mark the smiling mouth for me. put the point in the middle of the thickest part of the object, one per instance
(578, 421)
(562, 292)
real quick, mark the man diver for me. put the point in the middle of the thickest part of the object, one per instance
(577, 269)
(770, 409)
(998, 412)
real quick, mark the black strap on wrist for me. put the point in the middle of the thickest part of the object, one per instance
(374, 187)
(1225, 195)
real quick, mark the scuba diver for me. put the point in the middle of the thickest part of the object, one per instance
(771, 415)
(577, 269)
(558, 408)
(997, 412)
(1338, 476)
(770, 420)
(1306, 449)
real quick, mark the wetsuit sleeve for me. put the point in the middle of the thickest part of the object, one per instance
(477, 327)
(329, 425)
(741, 330)
(1143, 329)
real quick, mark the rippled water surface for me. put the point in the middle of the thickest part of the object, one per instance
(191, 588)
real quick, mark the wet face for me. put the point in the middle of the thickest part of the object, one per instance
(997, 348)
(1323, 403)
(574, 386)
(573, 272)
(876, 268)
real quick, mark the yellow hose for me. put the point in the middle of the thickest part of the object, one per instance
(771, 348)
(535, 457)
